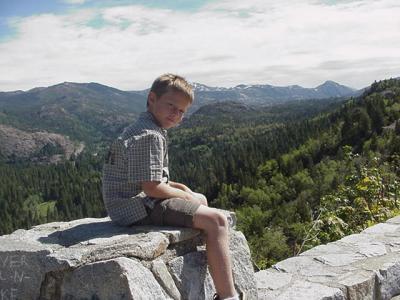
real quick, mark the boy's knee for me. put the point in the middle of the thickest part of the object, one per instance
(222, 220)
(210, 220)
(218, 222)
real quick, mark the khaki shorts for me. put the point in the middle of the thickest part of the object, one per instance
(171, 212)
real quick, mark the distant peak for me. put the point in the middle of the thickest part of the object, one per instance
(65, 84)
(68, 83)
(199, 87)
(329, 83)
(333, 84)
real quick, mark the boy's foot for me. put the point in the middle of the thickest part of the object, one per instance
(240, 296)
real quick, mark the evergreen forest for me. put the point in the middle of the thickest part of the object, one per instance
(297, 174)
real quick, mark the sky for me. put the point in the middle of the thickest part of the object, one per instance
(127, 44)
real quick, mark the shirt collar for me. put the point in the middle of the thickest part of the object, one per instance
(151, 121)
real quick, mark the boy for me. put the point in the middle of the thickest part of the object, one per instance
(136, 185)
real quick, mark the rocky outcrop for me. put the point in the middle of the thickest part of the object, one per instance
(360, 266)
(94, 259)
(37, 146)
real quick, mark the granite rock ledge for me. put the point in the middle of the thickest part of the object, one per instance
(360, 266)
(94, 259)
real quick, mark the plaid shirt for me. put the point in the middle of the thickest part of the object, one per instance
(139, 154)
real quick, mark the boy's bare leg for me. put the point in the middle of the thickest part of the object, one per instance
(215, 226)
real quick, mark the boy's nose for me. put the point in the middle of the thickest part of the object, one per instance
(175, 111)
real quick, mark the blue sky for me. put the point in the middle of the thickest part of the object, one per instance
(23, 8)
(126, 44)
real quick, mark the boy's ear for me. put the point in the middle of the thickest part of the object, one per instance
(151, 98)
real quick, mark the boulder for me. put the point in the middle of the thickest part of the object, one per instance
(95, 259)
(118, 278)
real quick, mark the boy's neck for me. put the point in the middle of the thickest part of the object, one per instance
(154, 119)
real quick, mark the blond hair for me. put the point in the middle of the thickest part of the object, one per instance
(168, 82)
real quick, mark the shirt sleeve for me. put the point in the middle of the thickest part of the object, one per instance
(145, 158)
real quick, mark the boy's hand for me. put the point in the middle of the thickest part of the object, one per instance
(200, 197)
(164, 190)
(193, 196)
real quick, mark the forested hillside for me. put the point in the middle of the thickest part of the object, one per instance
(297, 174)
(32, 194)
(344, 178)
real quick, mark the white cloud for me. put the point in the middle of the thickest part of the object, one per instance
(224, 44)
(74, 1)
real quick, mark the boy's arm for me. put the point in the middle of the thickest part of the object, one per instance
(180, 186)
(164, 190)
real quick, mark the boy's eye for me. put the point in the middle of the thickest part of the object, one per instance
(173, 108)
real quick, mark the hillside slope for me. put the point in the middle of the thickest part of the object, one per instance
(37, 146)
(84, 111)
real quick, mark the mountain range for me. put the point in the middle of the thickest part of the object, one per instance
(107, 105)
(94, 113)
(269, 94)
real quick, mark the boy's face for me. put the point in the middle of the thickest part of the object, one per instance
(168, 109)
